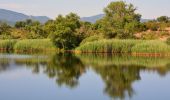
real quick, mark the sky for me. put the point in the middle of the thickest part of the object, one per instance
(84, 8)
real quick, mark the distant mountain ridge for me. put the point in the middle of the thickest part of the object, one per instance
(12, 17)
(92, 19)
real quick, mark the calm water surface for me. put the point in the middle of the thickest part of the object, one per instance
(83, 77)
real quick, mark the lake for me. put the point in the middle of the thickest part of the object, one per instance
(83, 77)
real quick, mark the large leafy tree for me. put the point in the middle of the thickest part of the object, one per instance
(64, 33)
(120, 20)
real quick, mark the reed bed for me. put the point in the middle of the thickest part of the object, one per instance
(7, 45)
(151, 46)
(34, 45)
(124, 46)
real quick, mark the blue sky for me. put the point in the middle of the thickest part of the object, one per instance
(51, 8)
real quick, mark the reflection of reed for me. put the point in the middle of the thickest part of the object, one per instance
(149, 62)
(66, 68)
(4, 64)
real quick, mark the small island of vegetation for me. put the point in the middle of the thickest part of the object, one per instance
(119, 31)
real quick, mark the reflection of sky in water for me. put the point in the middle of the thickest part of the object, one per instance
(152, 87)
(21, 84)
(20, 81)
(14, 74)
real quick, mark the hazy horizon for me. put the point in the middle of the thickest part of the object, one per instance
(84, 8)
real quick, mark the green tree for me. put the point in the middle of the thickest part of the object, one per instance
(86, 30)
(164, 19)
(34, 29)
(120, 20)
(5, 31)
(64, 36)
(20, 24)
(152, 25)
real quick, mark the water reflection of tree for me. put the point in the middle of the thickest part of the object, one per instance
(66, 68)
(118, 74)
(35, 63)
(118, 79)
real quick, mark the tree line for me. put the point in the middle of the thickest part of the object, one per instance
(67, 32)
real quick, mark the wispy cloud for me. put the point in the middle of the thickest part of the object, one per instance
(10, 5)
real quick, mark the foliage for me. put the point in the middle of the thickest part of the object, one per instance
(34, 29)
(68, 32)
(4, 31)
(64, 35)
(86, 30)
(152, 25)
(120, 20)
(159, 24)
(163, 19)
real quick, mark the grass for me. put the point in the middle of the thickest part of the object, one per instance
(125, 46)
(34, 45)
(26, 46)
(151, 46)
(7, 45)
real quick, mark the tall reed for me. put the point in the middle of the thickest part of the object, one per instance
(34, 45)
(7, 45)
(125, 46)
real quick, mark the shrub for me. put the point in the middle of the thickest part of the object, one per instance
(150, 35)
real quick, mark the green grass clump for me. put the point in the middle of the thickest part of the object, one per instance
(7, 45)
(34, 45)
(125, 46)
(151, 46)
(109, 46)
